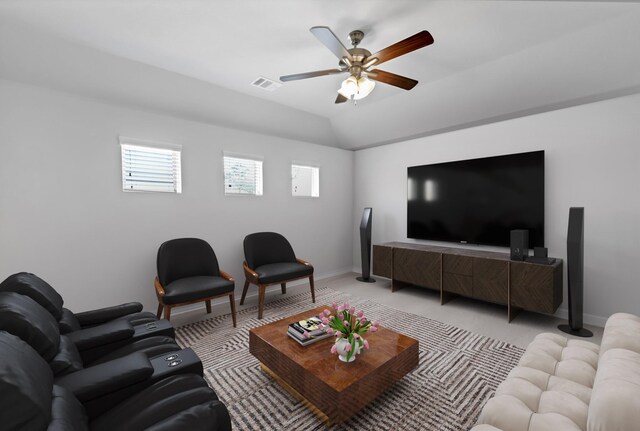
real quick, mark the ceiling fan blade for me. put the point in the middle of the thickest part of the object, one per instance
(392, 79)
(331, 41)
(306, 75)
(417, 41)
(341, 99)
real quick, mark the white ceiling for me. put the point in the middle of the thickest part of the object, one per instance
(491, 60)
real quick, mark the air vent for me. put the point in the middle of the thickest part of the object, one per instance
(266, 84)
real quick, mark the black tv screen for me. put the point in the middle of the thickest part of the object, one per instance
(478, 201)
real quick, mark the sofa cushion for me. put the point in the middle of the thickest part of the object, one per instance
(68, 358)
(546, 382)
(25, 386)
(615, 402)
(68, 322)
(507, 412)
(575, 360)
(37, 289)
(23, 317)
(520, 403)
(622, 331)
(549, 389)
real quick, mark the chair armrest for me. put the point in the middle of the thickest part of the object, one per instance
(96, 336)
(108, 377)
(226, 276)
(304, 262)
(159, 289)
(102, 315)
(250, 274)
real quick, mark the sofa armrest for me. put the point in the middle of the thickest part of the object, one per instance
(102, 315)
(108, 377)
(100, 335)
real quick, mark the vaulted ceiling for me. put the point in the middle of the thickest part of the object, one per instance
(491, 60)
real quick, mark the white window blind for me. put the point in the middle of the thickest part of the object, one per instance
(305, 180)
(146, 168)
(242, 175)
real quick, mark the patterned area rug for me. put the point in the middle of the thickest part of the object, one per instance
(458, 372)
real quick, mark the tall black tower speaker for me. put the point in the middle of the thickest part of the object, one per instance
(365, 246)
(575, 273)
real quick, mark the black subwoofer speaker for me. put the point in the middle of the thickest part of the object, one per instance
(519, 244)
(365, 246)
(575, 273)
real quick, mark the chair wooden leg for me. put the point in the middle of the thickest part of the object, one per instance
(284, 287)
(313, 292)
(159, 314)
(244, 291)
(261, 289)
(167, 312)
(232, 300)
(208, 303)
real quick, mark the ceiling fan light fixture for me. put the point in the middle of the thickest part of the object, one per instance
(365, 87)
(356, 89)
(349, 87)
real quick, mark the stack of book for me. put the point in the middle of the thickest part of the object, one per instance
(307, 331)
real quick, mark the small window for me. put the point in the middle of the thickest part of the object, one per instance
(150, 167)
(242, 175)
(305, 181)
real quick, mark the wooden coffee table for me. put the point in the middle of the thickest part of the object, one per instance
(331, 388)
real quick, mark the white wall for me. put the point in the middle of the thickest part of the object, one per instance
(592, 156)
(63, 214)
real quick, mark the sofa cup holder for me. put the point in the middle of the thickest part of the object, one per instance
(182, 362)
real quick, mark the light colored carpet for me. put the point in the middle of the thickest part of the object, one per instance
(458, 372)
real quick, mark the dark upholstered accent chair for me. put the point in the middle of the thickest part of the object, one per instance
(188, 272)
(269, 259)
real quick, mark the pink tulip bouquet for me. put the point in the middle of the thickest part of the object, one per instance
(348, 325)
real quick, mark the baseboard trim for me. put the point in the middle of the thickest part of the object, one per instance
(589, 319)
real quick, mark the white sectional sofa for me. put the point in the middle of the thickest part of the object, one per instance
(565, 384)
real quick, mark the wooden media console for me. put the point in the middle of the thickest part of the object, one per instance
(484, 275)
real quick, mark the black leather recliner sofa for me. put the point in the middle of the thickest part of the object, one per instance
(24, 318)
(44, 294)
(95, 333)
(32, 400)
(110, 382)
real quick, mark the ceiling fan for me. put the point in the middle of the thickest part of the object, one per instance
(357, 61)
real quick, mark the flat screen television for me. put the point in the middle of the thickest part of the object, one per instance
(478, 201)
